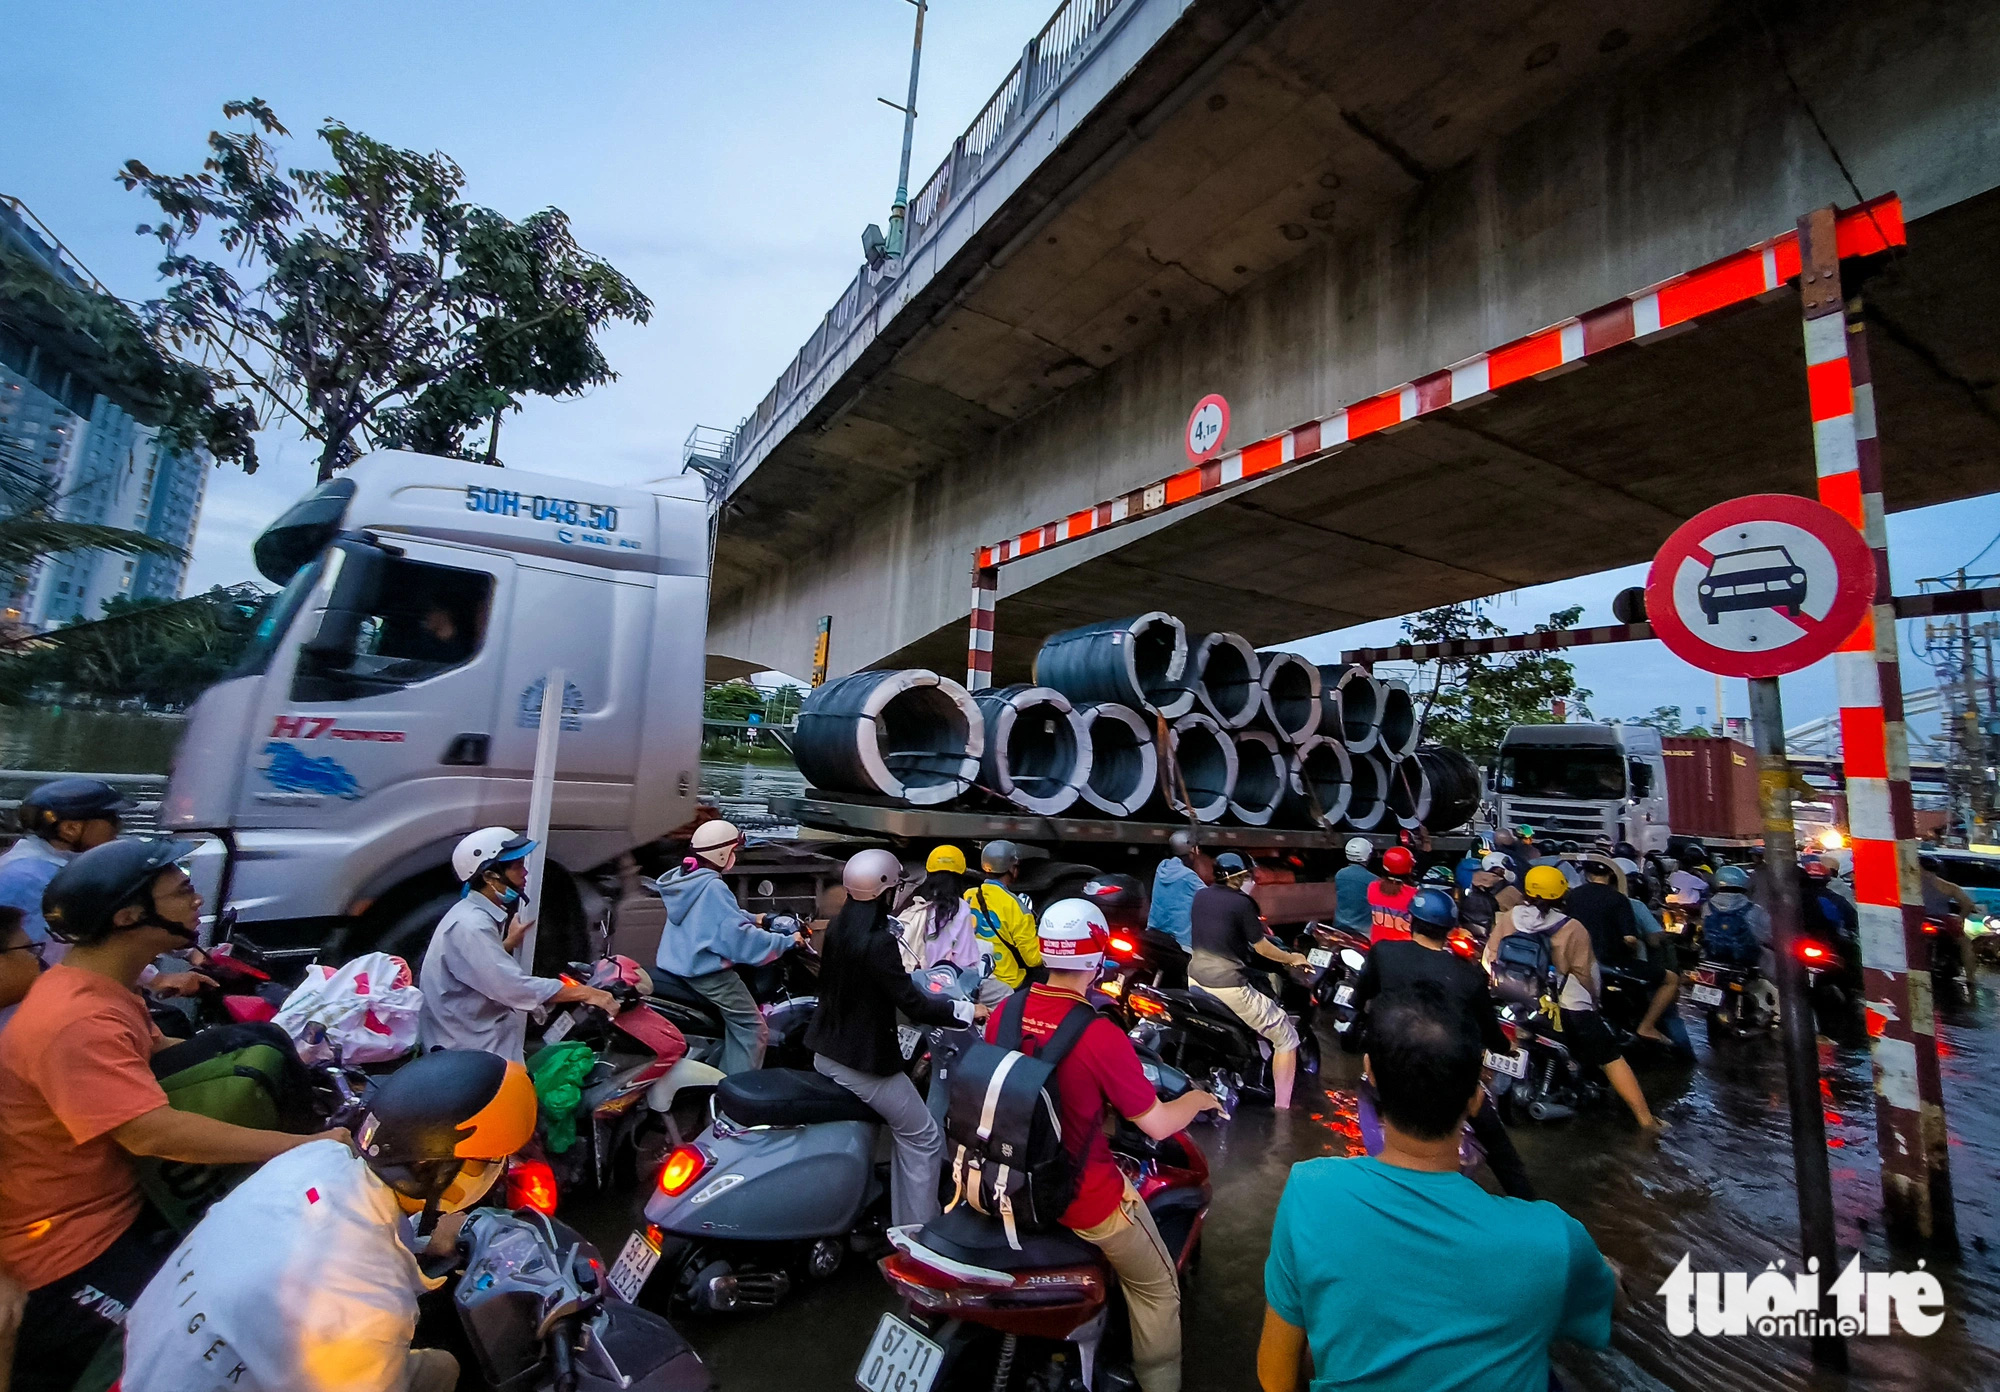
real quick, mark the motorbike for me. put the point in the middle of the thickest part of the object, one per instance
(541, 1315)
(1738, 1001)
(979, 1314)
(242, 994)
(782, 990)
(1337, 955)
(790, 1174)
(1202, 1037)
(643, 1094)
(1540, 1080)
(1834, 988)
(1951, 985)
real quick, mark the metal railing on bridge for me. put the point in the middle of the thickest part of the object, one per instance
(1069, 37)
(145, 789)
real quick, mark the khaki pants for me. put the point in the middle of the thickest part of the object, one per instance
(1132, 1244)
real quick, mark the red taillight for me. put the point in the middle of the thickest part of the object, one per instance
(1152, 1007)
(1930, 926)
(1812, 952)
(1462, 943)
(682, 1169)
(1123, 947)
(531, 1184)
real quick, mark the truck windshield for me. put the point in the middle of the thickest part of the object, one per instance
(1562, 771)
(273, 619)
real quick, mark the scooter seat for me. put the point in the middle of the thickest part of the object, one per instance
(967, 1235)
(787, 1097)
(1206, 1005)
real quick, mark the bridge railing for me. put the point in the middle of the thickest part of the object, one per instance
(1069, 37)
(145, 789)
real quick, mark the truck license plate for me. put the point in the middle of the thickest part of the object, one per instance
(1343, 993)
(1513, 1065)
(1319, 957)
(898, 1359)
(1708, 995)
(635, 1263)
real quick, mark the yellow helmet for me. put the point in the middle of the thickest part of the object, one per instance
(1544, 882)
(945, 858)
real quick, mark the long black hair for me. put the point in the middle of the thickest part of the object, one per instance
(943, 890)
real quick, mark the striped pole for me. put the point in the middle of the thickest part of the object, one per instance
(979, 641)
(1909, 1096)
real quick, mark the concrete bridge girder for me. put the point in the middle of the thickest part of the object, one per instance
(1001, 413)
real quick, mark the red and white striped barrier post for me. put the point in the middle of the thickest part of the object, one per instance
(1909, 1096)
(979, 639)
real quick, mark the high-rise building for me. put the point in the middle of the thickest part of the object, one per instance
(101, 463)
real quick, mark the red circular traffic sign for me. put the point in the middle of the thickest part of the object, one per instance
(1207, 428)
(1760, 586)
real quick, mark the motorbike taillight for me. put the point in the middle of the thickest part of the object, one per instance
(1123, 948)
(1145, 1002)
(1815, 955)
(925, 1288)
(684, 1166)
(531, 1184)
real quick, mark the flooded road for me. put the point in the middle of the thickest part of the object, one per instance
(1718, 1187)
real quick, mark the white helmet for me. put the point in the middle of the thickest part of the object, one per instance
(1359, 849)
(488, 847)
(714, 840)
(1627, 864)
(871, 874)
(1074, 936)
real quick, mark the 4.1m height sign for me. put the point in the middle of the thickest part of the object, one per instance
(1760, 586)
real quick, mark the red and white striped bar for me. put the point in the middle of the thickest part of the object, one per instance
(1511, 642)
(1760, 270)
(1909, 1095)
(979, 643)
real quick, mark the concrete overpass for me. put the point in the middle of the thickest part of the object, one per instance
(1301, 204)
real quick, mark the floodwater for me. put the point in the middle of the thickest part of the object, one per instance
(1717, 1187)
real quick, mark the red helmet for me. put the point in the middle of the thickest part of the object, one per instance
(1398, 861)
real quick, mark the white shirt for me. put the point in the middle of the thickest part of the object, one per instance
(298, 1281)
(476, 996)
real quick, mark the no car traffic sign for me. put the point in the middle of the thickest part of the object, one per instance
(1760, 586)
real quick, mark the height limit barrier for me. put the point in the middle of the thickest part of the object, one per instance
(1916, 1174)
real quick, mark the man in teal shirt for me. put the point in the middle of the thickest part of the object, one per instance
(1366, 1276)
(1175, 883)
(1350, 888)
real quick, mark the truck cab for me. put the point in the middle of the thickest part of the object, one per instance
(1584, 783)
(391, 694)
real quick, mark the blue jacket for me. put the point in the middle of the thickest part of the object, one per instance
(706, 931)
(1174, 886)
(1350, 898)
(25, 871)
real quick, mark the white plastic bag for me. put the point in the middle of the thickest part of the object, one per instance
(369, 1007)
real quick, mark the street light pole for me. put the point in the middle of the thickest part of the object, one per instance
(909, 110)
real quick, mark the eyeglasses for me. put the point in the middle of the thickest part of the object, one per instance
(33, 947)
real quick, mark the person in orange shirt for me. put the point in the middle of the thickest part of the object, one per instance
(1389, 898)
(78, 1100)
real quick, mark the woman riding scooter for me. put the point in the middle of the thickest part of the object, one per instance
(862, 984)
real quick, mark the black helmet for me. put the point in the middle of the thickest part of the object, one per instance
(69, 800)
(80, 901)
(1121, 899)
(1625, 850)
(1231, 865)
(439, 1111)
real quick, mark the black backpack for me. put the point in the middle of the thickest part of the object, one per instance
(1003, 1122)
(1524, 967)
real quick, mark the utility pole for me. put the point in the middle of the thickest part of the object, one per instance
(898, 212)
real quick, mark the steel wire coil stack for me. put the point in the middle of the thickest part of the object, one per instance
(1262, 772)
(1124, 765)
(910, 735)
(1140, 662)
(1037, 750)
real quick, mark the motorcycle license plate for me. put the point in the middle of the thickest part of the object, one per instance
(1513, 1065)
(1344, 993)
(635, 1263)
(899, 1359)
(907, 1039)
(1708, 995)
(559, 1028)
(1319, 957)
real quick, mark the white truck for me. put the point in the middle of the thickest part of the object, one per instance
(1584, 783)
(390, 698)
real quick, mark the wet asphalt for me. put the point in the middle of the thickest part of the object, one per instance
(1718, 1187)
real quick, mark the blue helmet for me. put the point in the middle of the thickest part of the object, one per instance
(1733, 877)
(1434, 908)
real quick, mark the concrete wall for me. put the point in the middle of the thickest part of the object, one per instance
(1618, 188)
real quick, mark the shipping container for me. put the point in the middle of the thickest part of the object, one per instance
(1712, 788)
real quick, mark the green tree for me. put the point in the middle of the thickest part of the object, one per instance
(1665, 719)
(368, 302)
(152, 651)
(781, 707)
(1472, 700)
(732, 700)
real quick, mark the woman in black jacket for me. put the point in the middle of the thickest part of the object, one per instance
(862, 984)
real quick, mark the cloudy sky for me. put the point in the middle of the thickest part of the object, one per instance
(725, 156)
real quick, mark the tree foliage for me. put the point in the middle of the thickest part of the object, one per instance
(151, 651)
(368, 302)
(1470, 701)
(122, 357)
(1668, 721)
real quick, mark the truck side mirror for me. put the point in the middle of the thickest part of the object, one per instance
(356, 592)
(1642, 778)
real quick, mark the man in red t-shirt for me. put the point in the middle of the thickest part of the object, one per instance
(1102, 1073)
(1389, 897)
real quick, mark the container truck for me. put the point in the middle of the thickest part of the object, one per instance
(1588, 782)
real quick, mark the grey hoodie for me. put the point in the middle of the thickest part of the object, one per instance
(706, 931)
